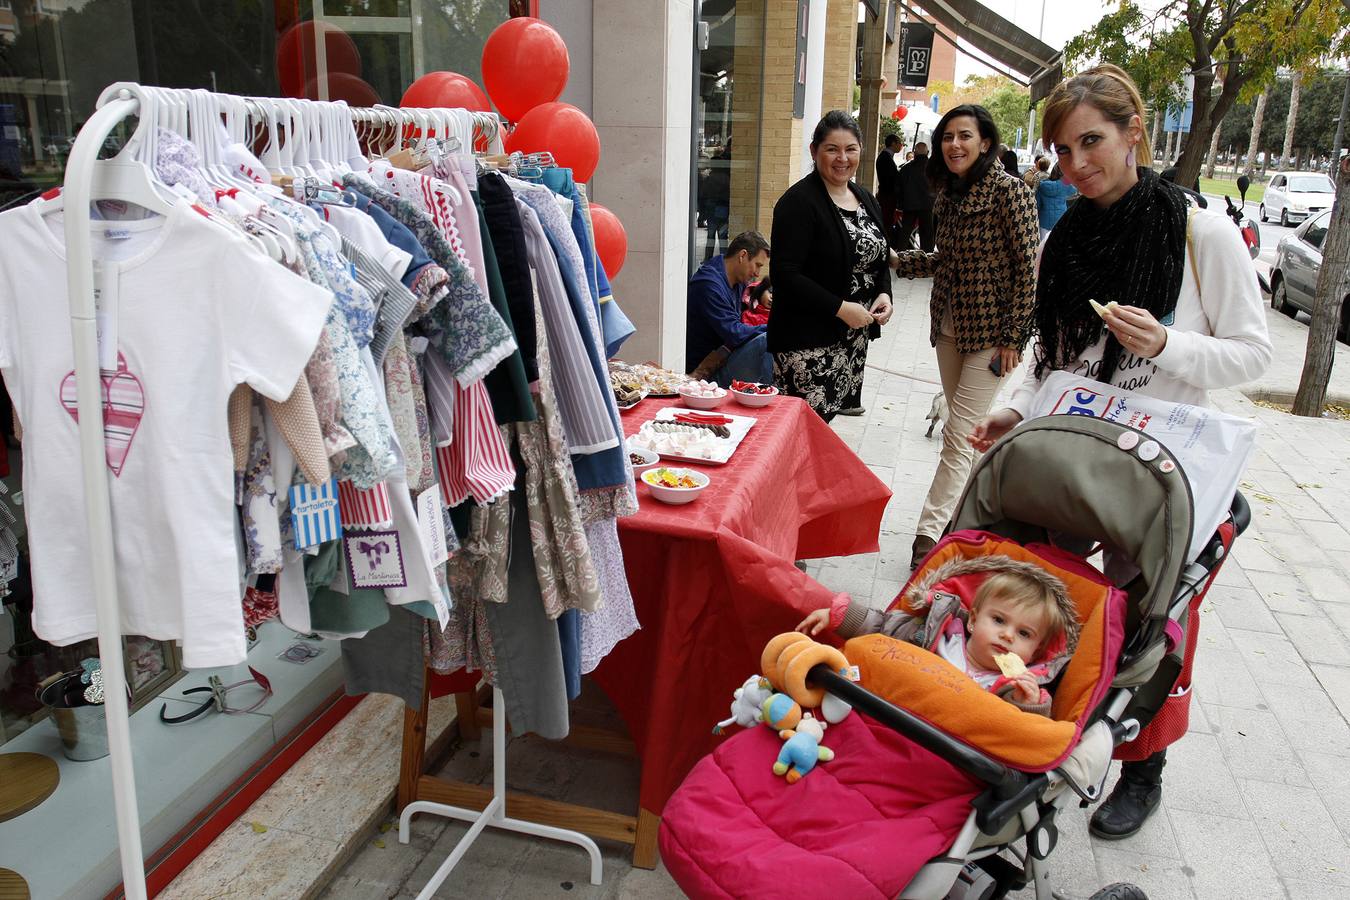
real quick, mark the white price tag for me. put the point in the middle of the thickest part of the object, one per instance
(432, 524)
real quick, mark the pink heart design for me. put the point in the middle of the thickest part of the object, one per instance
(123, 407)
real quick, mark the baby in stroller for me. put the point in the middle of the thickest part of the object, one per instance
(1017, 635)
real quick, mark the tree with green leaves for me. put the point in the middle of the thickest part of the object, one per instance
(1242, 43)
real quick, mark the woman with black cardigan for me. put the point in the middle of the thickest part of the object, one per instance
(832, 289)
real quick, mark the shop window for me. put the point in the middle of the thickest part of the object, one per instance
(729, 45)
(57, 56)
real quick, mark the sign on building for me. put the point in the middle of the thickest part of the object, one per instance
(916, 54)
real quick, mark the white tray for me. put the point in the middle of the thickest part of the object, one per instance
(739, 426)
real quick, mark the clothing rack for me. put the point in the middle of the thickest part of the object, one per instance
(311, 128)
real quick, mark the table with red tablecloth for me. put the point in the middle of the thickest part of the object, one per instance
(714, 579)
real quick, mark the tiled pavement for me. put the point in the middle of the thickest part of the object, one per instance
(1256, 801)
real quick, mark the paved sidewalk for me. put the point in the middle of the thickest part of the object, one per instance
(1256, 801)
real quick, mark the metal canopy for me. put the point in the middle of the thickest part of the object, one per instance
(1001, 40)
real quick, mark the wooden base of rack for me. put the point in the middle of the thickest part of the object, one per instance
(414, 784)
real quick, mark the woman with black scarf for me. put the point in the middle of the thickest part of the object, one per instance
(1189, 316)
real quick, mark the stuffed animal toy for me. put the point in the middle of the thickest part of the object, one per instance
(747, 704)
(802, 750)
(781, 713)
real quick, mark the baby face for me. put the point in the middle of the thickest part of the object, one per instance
(1001, 627)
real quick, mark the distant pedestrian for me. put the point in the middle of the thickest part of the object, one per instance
(886, 181)
(916, 201)
(1008, 157)
(1053, 194)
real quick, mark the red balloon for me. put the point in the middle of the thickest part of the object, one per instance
(295, 55)
(343, 86)
(448, 90)
(611, 241)
(524, 64)
(564, 131)
(899, 113)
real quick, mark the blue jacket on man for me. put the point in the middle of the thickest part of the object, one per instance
(714, 314)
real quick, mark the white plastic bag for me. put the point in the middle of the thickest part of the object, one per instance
(1212, 447)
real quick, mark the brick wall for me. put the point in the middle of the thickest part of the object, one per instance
(841, 34)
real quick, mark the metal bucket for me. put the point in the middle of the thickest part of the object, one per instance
(83, 729)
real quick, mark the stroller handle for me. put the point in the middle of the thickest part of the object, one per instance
(1006, 781)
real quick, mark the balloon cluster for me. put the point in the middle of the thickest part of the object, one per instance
(525, 68)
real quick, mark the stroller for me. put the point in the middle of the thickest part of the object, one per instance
(942, 790)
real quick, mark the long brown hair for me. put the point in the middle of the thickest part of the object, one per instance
(1108, 89)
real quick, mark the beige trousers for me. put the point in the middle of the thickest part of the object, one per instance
(969, 388)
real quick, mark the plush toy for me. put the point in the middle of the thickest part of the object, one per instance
(781, 712)
(747, 704)
(802, 749)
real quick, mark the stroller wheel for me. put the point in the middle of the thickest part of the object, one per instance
(1120, 891)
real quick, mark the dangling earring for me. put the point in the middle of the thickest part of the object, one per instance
(1129, 158)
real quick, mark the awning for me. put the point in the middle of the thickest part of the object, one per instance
(1040, 64)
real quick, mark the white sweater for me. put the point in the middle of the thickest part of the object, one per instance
(1216, 337)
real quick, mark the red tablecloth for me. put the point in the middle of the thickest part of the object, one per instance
(714, 579)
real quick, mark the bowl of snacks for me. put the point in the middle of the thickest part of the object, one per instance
(702, 395)
(642, 458)
(750, 393)
(675, 485)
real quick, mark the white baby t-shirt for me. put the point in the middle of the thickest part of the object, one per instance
(194, 310)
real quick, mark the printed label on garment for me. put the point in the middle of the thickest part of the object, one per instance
(315, 517)
(374, 559)
(105, 316)
(432, 523)
(123, 400)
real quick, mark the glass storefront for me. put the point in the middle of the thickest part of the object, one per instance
(730, 38)
(56, 57)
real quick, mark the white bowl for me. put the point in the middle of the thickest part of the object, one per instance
(676, 495)
(746, 399)
(649, 458)
(694, 402)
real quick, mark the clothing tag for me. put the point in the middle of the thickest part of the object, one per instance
(117, 234)
(375, 559)
(853, 673)
(314, 514)
(368, 508)
(432, 523)
(105, 315)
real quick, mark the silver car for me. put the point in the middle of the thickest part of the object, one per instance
(1293, 196)
(1293, 279)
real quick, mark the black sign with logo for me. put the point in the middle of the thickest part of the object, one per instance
(916, 54)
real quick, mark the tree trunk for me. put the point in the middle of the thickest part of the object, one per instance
(1289, 123)
(1258, 116)
(1327, 306)
(1213, 153)
(1209, 110)
(1155, 144)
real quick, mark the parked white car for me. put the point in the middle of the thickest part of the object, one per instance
(1293, 196)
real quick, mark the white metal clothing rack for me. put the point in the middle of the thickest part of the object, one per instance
(161, 107)
(493, 815)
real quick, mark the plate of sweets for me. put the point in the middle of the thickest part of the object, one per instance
(659, 382)
(627, 387)
(690, 436)
(702, 395)
(675, 486)
(751, 393)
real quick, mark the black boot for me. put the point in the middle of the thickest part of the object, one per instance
(1134, 798)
